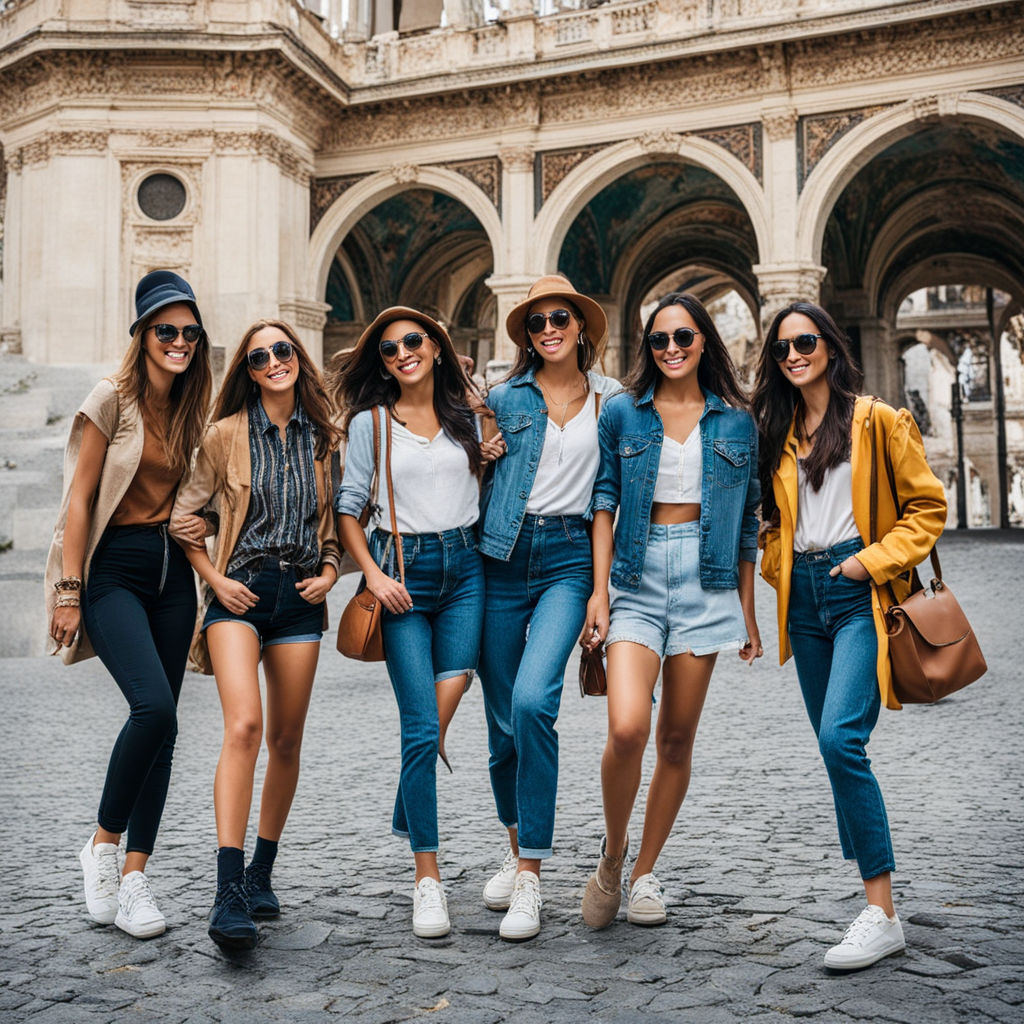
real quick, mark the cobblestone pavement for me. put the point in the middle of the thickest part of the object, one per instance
(755, 883)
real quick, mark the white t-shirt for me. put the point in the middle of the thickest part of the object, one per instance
(824, 517)
(680, 470)
(568, 466)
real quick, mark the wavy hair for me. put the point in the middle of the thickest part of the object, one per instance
(189, 397)
(528, 356)
(776, 401)
(362, 381)
(716, 371)
(310, 391)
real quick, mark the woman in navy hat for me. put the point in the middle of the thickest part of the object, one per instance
(118, 586)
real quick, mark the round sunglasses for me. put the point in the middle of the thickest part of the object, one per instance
(682, 336)
(559, 320)
(411, 341)
(805, 344)
(259, 358)
(166, 333)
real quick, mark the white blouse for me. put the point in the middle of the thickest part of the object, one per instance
(680, 471)
(568, 466)
(824, 517)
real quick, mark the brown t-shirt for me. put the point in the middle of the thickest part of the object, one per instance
(150, 496)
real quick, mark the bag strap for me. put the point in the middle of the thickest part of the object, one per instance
(391, 502)
(597, 404)
(375, 482)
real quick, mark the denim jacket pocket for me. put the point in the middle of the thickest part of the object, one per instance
(632, 449)
(513, 429)
(732, 462)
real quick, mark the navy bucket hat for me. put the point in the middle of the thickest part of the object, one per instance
(162, 288)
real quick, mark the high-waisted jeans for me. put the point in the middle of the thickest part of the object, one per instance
(835, 647)
(139, 610)
(535, 607)
(439, 638)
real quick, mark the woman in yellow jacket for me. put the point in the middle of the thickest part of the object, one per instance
(815, 464)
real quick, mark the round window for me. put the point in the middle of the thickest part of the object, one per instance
(161, 196)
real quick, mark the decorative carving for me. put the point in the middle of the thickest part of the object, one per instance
(153, 244)
(556, 164)
(1012, 94)
(818, 133)
(516, 158)
(404, 174)
(39, 150)
(324, 191)
(266, 144)
(781, 284)
(743, 141)
(484, 173)
(304, 313)
(10, 340)
(926, 108)
(660, 142)
(780, 124)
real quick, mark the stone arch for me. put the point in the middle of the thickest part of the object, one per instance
(583, 183)
(864, 142)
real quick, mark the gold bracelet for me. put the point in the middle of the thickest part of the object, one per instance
(68, 601)
(68, 583)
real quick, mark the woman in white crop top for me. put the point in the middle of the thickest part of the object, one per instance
(405, 365)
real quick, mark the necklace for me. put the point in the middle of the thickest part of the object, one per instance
(563, 405)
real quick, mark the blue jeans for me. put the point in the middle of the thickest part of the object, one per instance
(835, 647)
(536, 604)
(437, 639)
(139, 610)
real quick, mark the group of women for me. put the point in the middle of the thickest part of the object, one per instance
(562, 507)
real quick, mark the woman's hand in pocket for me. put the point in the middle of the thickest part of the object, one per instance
(235, 596)
(316, 588)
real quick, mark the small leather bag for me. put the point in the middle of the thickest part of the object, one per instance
(593, 681)
(933, 651)
(359, 633)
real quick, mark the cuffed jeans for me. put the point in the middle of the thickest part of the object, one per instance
(835, 646)
(535, 607)
(437, 639)
(139, 610)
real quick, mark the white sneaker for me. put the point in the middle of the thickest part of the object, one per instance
(137, 913)
(872, 936)
(646, 902)
(498, 891)
(102, 878)
(430, 910)
(523, 918)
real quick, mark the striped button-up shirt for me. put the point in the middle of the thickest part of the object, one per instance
(282, 518)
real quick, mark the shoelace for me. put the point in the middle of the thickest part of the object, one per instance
(232, 894)
(108, 876)
(525, 899)
(136, 894)
(257, 876)
(510, 863)
(647, 887)
(864, 922)
(431, 897)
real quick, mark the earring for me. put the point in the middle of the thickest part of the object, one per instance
(437, 360)
(383, 373)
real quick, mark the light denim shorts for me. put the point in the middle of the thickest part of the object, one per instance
(671, 613)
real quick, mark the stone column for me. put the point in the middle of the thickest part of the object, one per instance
(880, 357)
(783, 283)
(509, 290)
(308, 317)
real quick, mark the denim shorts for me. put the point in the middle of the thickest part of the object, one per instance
(672, 613)
(282, 615)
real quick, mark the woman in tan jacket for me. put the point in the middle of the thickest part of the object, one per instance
(815, 464)
(263, 466)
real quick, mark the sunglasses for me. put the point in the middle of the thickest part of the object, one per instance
(682, 336)
(166, 333)
(259, 358)
(805, 344)
(559, 320)
(411, 341)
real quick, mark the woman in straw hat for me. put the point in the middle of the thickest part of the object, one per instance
(537, 549)
(406, 367)
(117, 585)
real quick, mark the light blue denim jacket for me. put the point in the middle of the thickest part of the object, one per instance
(522, 418)
(631, 432)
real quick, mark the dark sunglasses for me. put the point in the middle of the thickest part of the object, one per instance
(260, 357)
(166, 333)
(411, 341)
(805, 344)
(682, 336)
(559, 320)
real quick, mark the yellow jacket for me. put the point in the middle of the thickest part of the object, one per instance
(903, 542)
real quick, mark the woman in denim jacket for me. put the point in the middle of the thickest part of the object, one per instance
(537, 561)
(679, 465)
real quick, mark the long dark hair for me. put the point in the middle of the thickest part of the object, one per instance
(776, 401)
(363, 382)
(715, 371)
(189, 397)
(238, 386)
(527, 355)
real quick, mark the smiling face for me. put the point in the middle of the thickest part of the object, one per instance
(555, 344)
(677, 362)
(277, 376)
(409, 366)
(803, 370)
(172, 357)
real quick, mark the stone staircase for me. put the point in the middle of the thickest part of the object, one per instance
(37, 404)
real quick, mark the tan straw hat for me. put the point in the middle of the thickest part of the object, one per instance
(555, 286)
(393, 313)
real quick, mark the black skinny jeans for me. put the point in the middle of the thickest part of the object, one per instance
(139, 611)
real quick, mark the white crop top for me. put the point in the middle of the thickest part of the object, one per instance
(680, 471)
(824, 517)
(568, 466)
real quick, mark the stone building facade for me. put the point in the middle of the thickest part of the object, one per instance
(320, 161)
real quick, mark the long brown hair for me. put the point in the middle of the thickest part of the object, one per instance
(527, 355)
(310, 393)
(189, 397)
(715, 371)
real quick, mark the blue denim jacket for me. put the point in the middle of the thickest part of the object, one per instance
(631, 432)
(522, 418)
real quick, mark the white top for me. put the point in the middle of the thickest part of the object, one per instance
(680, 471)
(568, 466)
(434, 488)
(824, 517)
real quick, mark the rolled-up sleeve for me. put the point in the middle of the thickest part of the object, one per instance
(204, 480)
(354, 492)
(749, 526)
(606, 494)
